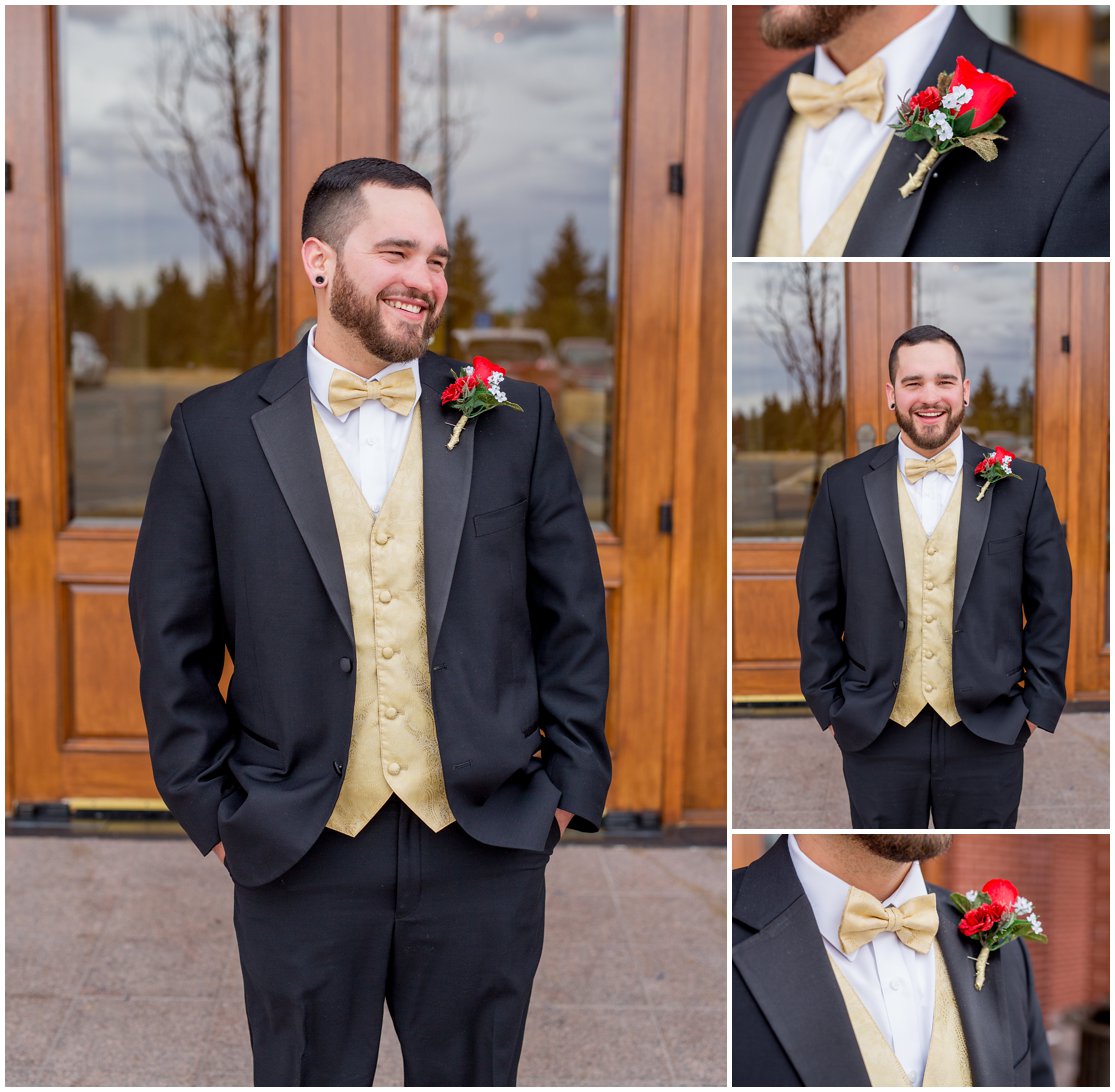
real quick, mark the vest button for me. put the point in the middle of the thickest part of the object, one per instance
(385, 597)
(929, 654)
(391, 712)
(346, 664)
(388, 652)
(394, 769)
(930, 618)
(381, 538)
(929, 586)
(929, 688)
(931, 550)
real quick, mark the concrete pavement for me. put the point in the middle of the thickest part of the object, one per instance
(122, 968)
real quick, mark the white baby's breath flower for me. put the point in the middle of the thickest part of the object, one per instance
(1022, 906)
(971, 896)
(957, 97)
(468, 369)
(1035, 924)
(498, 395)
(941, 125)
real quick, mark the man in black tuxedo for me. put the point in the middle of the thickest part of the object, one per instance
(1046, 194)
(420, 663)
(923, 610)
(792, 1022)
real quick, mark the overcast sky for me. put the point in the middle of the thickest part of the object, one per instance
(987, 306)
(537, 92)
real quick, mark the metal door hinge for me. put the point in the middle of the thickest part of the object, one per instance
(7, 176)
(12, 514)
(666, 518)
(677, 179)
(1065, 343)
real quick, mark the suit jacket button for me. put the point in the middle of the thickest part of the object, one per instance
(339, 768)
(346, 664)
(895, 685)
(902, 623)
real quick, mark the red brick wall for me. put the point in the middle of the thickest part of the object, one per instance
(1067, 878)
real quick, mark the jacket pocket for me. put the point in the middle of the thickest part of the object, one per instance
(488, 523)
(1000, 545)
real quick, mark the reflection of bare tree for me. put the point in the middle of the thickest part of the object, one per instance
(217, 164)
(803, 326)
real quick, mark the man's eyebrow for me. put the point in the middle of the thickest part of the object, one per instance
(939, 377)
(411, 244)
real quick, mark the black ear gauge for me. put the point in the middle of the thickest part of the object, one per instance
(319, 279)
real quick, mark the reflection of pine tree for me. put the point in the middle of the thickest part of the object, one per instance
(569, 297)
(981, 414)
(468, 278)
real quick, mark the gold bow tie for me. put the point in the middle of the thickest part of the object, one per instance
(865, 917)
(395, 392)
(861, 90)
(916, 469)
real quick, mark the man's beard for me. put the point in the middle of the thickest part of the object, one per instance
(361, 316)
(784, 27)
(922, 438)
(905, 847)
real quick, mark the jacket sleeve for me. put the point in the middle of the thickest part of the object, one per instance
(1046, 595)
(1041, 1061)
(566, 597)
(820, 585)
(1080, 223)
(179, 633)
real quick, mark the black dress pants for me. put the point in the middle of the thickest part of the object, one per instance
(931, 768)
(444, 928)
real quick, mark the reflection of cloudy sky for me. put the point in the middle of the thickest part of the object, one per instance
(122, 220)
(539, 140)
(988, 307)
(539, 127)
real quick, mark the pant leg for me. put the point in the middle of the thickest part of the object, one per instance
(974, 783)
(468, 939)
(888, 781)
(315, 949)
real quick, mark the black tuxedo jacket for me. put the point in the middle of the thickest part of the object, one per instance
(1047, 193)
(851, 579)
(238, 548)
(790, 1025)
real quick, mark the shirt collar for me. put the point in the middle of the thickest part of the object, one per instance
(956, 447)
(320, 370)
(906, 58)
(828, 894)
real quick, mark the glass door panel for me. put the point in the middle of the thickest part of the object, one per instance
(515, 115)
(169, 150)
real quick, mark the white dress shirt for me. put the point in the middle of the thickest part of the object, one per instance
(371, 439)
(895, 983)
(932, 492)
(835, 155)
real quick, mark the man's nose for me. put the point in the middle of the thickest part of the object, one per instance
(418, 275)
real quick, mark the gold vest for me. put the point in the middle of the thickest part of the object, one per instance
(930, 579)
(946, 1065)
(780, 234)
(394, 743)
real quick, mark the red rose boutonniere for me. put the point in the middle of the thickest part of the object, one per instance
(961, 111)
(995, 468)
(995, 916)
(475, 391)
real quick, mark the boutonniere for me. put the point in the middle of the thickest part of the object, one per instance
(994, 468)
(961, 111)
(995, 916)
(475, 391)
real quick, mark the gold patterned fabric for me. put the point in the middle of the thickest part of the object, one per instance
(944, 463)
(396, 392)
(780, 233)
(946, 1065)
(930, 581)
(818, 102)
(394, 745)
(865, 917)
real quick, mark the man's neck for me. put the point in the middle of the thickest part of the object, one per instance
(342, 347)
(868, 34)
(853, 863)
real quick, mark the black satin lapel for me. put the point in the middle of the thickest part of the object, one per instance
(752, 178)
(286, 433)
(887, 219)
(881, 487)
(787, 970)
(974, 518)
(983, 1013)
(446, 481)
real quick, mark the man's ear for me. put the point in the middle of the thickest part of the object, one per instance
(319, 260)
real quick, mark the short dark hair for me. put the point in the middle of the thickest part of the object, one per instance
(915, 337)
(335, 200)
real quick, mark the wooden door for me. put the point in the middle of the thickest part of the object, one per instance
(75, 727)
